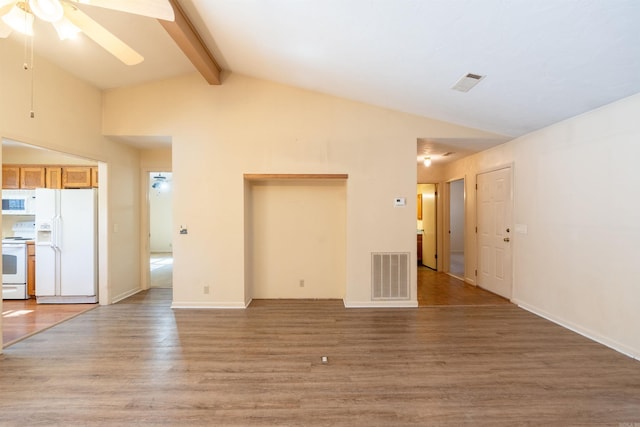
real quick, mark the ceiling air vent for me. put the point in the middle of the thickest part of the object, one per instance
(467, 82)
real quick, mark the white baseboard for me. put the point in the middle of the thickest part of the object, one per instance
(212, 304)
(381, 304)
(125, 295)
(613, 344)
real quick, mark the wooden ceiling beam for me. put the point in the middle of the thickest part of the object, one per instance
(188, 40)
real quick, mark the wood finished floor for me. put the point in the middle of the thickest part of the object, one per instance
(23, 318)
(436, 288)
(139, 362)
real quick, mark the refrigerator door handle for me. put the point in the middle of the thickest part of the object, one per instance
(53, 232)
(57, 232)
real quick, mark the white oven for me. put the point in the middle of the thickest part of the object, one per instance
(18, 202)
(14, 270)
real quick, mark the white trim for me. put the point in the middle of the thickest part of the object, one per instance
(210, 305)
(615, 345)
(381, 304)
(126, 295)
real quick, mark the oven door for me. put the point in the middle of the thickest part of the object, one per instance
(14, 263)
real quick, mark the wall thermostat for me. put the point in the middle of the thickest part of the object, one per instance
(400, 201)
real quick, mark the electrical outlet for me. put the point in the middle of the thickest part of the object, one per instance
(302, 283)
(205, 289)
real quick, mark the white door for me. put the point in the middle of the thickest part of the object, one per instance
(429, 257)
(77, 243)
(494, 231)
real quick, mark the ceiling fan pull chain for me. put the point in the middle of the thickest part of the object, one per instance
(32, 114)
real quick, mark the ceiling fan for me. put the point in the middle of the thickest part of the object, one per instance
(69, 20)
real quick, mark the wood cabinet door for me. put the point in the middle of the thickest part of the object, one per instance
(76, 177)
(53, 177)
(31, 177)
(94, 177)
(31, 269)
(10, 177)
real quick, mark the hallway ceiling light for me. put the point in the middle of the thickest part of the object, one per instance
(427, 161)
(160, 183)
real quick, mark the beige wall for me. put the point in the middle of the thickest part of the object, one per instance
(577, 263)
(298, 233)
(68, 117)
(38, 156)
(251, 126)
(158, 159)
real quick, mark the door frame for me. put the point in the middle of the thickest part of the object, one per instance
(145, 229)
(446, 226)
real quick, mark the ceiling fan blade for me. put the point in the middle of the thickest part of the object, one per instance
(159, 9)
(5, 5)
(102, 36)
(5, 30)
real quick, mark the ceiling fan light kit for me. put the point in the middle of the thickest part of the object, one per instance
(69, 20)
(47, 10)
(65, 29)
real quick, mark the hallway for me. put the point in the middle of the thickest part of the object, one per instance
(437, 289)
(161, 266)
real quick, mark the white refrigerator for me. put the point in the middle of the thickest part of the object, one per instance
(66, 246)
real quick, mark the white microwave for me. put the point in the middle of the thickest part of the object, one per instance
(18, 202)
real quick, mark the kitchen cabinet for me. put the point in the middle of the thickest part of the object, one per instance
(31, 177)
(53, 177)
(10, 177)
(48, 176)
(31, 268)
(76, 177)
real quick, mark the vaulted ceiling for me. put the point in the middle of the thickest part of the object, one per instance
(544, 60)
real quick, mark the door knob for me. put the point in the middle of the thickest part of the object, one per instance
(506, 239)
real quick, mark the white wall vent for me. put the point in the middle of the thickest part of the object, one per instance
(390, 275)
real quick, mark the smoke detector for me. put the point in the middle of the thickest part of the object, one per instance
(467, 82)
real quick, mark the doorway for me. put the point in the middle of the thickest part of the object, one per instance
(426, 226)
(494, 198)
(160, 227)
(22, 318)
(456, 229)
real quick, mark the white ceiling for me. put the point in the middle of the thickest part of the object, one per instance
(544, 60)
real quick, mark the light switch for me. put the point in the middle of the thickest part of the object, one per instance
(400, 202)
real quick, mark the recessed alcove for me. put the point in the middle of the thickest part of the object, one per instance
(295, 236)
